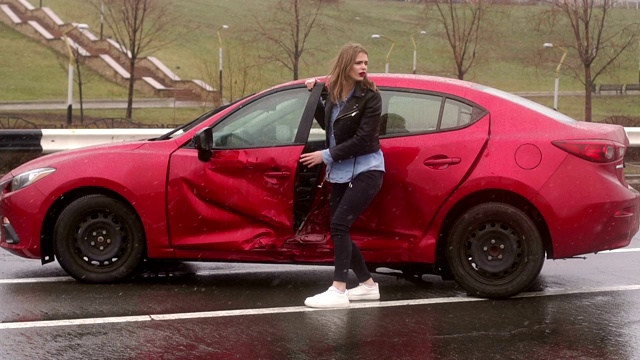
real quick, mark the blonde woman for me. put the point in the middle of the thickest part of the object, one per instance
(350, 117)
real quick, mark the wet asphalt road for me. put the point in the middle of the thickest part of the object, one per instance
(579, 309)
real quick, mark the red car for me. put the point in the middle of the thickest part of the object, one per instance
(481, 186)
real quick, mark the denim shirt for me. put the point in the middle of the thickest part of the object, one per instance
(346, 170)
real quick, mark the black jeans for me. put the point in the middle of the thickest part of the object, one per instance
(346, 203)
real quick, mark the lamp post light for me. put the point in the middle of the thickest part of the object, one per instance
(220, 57)
(557, 83)
(72, 63)
(380, 36)
(415, 47)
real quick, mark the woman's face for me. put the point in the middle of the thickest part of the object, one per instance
(359, 67)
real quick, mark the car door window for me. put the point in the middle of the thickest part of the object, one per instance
(272, 120)
(405, 113)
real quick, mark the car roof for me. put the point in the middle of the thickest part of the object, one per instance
(405, 80)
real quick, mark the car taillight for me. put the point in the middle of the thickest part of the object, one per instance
(600, 151)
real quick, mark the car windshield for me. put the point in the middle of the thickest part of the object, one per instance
(532, 105)
(186, 127)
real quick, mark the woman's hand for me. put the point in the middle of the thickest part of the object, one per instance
(310, 83)
(311, 159)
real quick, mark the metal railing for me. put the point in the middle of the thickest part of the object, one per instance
(634, 136)
(53, 140)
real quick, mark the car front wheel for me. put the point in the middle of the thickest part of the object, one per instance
(495, 251)
(99, 239)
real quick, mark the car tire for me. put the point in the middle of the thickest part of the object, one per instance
(99, 239)
(495, 251)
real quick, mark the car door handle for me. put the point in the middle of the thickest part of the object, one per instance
(440, 162)
(277, 174)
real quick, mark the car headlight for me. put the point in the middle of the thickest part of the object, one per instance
(29, 177)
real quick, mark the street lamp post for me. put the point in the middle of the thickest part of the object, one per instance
(220, 57)
(415, 47)
(557, 82)
(72, 62)
(380, 36)
(175, 91)
(101, 18)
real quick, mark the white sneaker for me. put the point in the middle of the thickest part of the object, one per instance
(364, 292)
(331, 298)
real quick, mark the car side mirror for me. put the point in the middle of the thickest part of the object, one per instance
(204, 144)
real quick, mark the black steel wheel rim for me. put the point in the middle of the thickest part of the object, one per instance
(494, 251)
(100, 239)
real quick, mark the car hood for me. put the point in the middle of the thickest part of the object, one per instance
(63, 156)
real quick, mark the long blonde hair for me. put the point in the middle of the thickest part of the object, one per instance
(338, 77)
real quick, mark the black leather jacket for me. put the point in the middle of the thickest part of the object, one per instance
(357, 126)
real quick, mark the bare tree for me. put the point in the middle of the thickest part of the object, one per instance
(462, 24)
(286, 29)
(585, 29)
(244, 73)
(79, 80)
(141, 27)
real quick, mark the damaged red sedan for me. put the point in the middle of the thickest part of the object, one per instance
(481, 186)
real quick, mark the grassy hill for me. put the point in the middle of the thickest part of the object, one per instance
(31, 71)
(511, 58)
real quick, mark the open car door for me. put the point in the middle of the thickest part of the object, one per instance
(242, 197)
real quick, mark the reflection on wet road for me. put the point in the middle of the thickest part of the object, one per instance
(584, 309)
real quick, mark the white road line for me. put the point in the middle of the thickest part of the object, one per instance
(293, 309)
(90, 321)
(36, 280)
(623, 250)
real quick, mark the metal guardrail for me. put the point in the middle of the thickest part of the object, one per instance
(53, 140)
(64, 139)
(634, 136)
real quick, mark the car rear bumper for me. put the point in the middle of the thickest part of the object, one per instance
(601, 214)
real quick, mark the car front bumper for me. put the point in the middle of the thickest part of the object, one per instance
(22, 213)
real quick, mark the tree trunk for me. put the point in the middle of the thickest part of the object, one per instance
(587, 93)
(80, 92)
(132, 66)
(460, 72)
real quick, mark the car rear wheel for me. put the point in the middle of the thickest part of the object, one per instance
(99, 239)
(495, 251)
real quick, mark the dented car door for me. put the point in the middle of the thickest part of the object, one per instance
(242, 198)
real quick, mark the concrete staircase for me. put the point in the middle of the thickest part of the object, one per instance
(106, 56)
